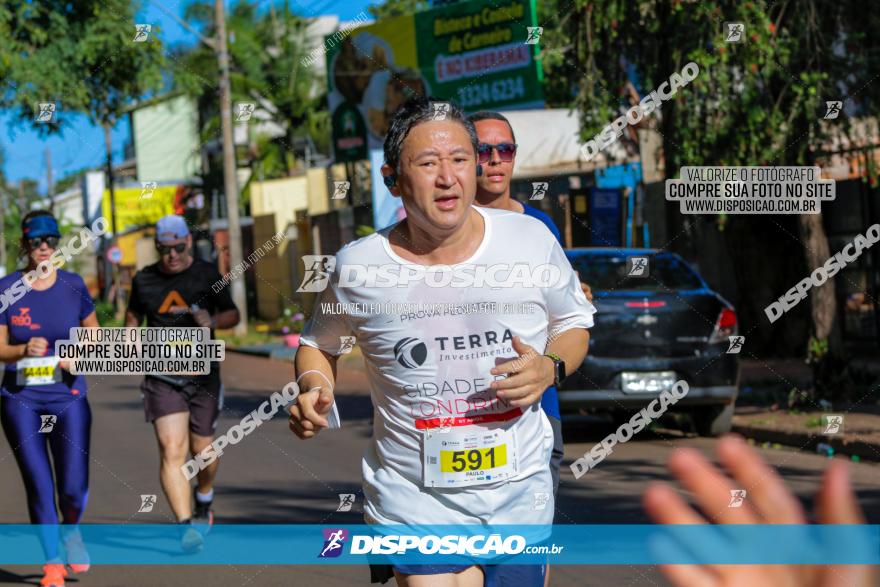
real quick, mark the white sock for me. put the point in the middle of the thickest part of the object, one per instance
(204, 497)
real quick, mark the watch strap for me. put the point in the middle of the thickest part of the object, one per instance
(558, 368)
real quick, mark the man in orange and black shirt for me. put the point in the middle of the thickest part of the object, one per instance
(182, 291)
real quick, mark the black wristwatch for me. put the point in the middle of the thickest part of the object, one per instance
(558, 368)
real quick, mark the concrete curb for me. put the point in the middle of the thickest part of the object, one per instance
(868, 451)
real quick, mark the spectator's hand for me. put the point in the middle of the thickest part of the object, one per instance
(529, 376)
(36, 347)
(64, 364)
(308, 413)
(202, 318)
(769, 501)
(587, 291)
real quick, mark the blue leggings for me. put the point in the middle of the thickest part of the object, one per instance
(69, 442)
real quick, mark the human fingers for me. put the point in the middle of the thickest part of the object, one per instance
(711, 488)
(297, 428)
(324, 402)
(837, 502)
(308, 410)
(665, 506)
(766, 490)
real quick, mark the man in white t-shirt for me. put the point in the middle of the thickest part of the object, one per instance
(464, 316)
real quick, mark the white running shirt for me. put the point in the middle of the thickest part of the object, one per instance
(429, 373)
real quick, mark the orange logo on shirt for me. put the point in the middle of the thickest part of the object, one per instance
(24, 319)
(173, 303)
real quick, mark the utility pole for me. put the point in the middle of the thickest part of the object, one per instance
(108, 146)
(49, 191)
(230, 181)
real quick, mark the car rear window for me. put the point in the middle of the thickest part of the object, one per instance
(602, 272)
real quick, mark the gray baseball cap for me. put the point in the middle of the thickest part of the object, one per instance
(171, 228)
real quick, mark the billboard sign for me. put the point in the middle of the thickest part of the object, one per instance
(474, 53)
(134, 210)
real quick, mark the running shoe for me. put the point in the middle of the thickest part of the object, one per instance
(77, 555)
(53, 575)
(191, 540)
(203, 515)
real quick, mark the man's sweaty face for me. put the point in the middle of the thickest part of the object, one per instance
(438, 174)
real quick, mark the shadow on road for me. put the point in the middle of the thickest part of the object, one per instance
(294, 503)
(8, 577)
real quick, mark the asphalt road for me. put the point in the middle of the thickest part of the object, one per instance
(272, 477)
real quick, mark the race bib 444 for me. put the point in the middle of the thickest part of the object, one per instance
(36, 371)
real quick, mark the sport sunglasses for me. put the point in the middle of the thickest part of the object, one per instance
(35, 242)
(506, 151)
(164, 249)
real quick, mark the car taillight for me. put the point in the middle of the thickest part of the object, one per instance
(645, 304)
(725, 326)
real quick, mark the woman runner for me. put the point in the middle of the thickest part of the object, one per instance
(44, 408)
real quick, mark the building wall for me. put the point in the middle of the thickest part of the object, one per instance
(281, 198)
(68, 207)
(271, 269)
(318, 198)
(166, 141)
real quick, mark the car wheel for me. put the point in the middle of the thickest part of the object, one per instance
(713, 420)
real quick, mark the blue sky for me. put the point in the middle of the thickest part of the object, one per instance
(82, 145)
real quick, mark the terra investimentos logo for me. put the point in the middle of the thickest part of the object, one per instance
(410, 352)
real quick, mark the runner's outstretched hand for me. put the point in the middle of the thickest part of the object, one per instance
(769, 502)
(308, 413)
(527, 376)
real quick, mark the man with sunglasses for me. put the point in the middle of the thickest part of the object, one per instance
(496, 152)
(176, 291)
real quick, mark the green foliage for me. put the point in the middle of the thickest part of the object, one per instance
(391, 8)
(80, 54)
(267, 49)
(813, 422)
(15, 205)
(70, 180)
(291, 321)
(759, 102)
(753, 103)
(251, 338)
(816, 349)
(106, 313)
(558, 51)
